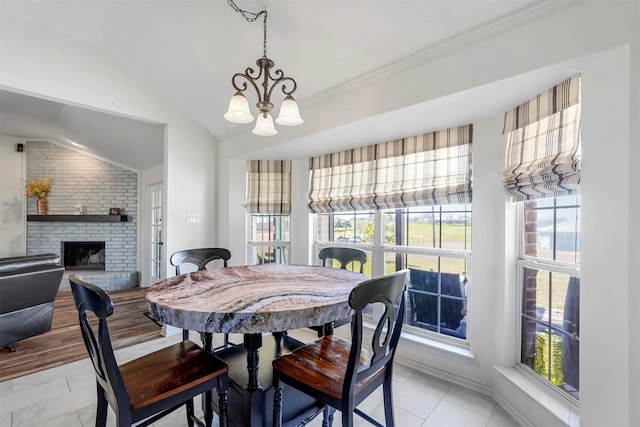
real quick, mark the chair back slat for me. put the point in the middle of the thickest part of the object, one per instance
(344, 256)
(388, 290)
(199, 257)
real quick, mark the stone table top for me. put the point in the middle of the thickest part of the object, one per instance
(253, 298)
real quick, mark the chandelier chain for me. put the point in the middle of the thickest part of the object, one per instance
(252, 17)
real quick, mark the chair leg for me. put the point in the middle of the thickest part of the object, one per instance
(208, 408)
(327, 416)
(101, 409)
(277, 400)
(190, 413)
(223, 387)
(387, 388)
(347, 413)
(226, 340)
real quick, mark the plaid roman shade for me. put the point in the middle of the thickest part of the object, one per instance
(543, 144)
(269, 186)
(428, 169)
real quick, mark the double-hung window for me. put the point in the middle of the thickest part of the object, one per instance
(542, 174)
(268, 206)
(407, 203)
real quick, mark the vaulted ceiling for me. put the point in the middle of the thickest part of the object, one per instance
(187, 51)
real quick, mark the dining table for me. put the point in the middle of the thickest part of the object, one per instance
(261, 302)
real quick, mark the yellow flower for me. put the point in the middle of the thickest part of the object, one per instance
(38, 188)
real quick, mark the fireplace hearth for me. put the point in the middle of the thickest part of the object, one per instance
(83, 255)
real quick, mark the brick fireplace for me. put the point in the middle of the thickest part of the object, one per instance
(78, 179)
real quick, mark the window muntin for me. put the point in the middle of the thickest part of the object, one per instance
(437, 294)
(443, 227)
(550, 291)
(345, 227)
(269, 239)
(552, 229)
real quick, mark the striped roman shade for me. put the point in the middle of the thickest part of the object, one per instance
(269, 186)
(543, 144)
(428, 169)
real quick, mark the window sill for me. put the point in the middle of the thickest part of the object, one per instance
(460, 353)
(530, 403)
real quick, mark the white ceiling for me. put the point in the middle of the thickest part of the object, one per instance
(187, 51)
(131, 143)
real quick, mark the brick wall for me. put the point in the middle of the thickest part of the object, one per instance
(83, 180)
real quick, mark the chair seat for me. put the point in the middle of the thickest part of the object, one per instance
(184, 365)
(342, 374)
(321, 365)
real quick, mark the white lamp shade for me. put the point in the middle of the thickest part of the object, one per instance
(238, 111)
(264, 126)
(289, 113)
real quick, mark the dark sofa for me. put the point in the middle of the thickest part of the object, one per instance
(28, 287)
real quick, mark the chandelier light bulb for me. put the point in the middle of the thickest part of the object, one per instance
(289, 113)
(238, 111)
(264, 125)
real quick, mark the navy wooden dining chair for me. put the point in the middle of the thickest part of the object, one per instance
(147, 388)
(344, 256)
(200, 258)
(342, 374)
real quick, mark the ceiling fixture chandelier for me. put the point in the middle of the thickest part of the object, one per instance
(239, 112)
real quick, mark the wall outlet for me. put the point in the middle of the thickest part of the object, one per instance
(193, 218)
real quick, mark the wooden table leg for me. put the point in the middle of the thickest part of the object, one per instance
(252, 343)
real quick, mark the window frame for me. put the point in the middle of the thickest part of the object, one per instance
(251, 244)
(526, 261)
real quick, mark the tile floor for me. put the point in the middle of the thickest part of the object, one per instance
(65, 397)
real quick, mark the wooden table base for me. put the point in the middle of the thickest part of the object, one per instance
(250, 384)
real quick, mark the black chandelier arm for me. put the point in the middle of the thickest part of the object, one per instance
(283, 81)
(242, 87)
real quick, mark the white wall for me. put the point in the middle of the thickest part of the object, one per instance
(634, 226)
(606, 218)
(48, 65)
(13, 172)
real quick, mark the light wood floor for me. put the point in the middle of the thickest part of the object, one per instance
(63, 343)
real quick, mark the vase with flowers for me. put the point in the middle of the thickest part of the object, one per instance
(39, 189)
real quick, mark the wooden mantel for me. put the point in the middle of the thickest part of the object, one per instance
(78, 218)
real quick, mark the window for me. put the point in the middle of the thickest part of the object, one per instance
(269, 239)
(434, 243)
(269, 205)
(352, 228)
(542, 173)
(407, 204)
(550, 291)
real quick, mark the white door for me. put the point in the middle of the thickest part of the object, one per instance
(156, 267)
